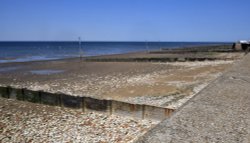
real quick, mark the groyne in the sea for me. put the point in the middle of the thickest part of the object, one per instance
(87, 104)
(185, 54)
(163, 59)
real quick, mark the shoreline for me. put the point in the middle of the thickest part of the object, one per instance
(125, 54)
(128, 81)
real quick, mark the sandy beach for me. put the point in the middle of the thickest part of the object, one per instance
(165, 84)
(161, 84)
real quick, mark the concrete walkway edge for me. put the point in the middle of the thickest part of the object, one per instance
(219, 113)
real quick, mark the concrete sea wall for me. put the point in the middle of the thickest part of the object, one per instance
(218, 113)
(88, 104)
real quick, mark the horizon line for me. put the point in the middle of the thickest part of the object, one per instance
(112, 41)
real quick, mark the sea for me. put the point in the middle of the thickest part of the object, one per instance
(12, 51)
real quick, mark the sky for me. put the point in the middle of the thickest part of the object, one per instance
(124, 20)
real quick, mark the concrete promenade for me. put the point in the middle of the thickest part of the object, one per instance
(219, 113)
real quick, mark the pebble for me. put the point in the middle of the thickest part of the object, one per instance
(27, 122)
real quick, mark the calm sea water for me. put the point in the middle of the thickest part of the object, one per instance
(32, 51)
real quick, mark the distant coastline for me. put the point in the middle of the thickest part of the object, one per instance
(24, 51)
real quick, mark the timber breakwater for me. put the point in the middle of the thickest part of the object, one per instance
(88, 104)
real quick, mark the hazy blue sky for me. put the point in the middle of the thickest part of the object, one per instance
(125, 20)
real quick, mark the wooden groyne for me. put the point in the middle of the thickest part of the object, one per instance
(152, 59)
(87, 104)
